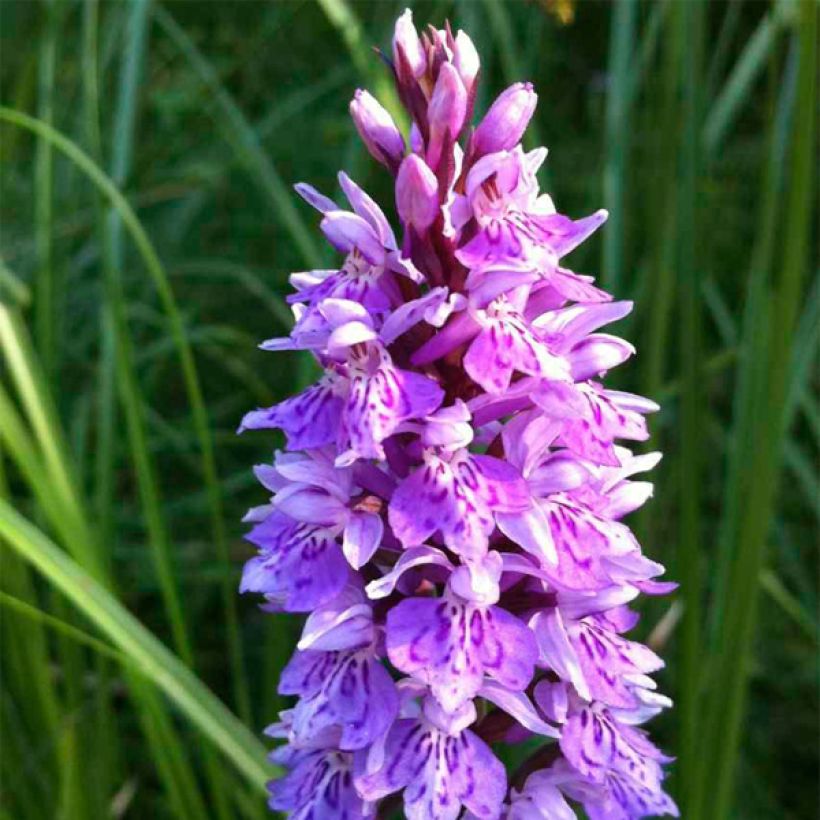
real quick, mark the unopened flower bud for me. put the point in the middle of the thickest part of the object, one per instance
(447, 110)
(416, 193)
(466, 61)
(377, 129)
(504, 124)
(407, 49)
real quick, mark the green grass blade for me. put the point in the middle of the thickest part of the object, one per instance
(150, 656)
(342, 16)
(720, 52)
(190, 377)
(46, 286)
(36, 399)
(12, 289)
(37, 615)
(740, 83)
(791, 605)
(124, 131)
(244, 140)
(617, 142)
(692, 23)
(740, 620)
(748, 392)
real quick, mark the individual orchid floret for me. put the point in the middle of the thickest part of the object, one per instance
(450, 510)
(319, 783)
(451, 643)
(441, 765)
(347, 699)
(377, 129)
(504, 124)
(457, 495)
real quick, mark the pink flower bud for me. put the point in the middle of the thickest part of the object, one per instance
(466, 60)
(504, 124)
(407, 48)
(446, 112)
(416, 193)
(377, 129)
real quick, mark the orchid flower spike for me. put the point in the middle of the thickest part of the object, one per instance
(449, 510)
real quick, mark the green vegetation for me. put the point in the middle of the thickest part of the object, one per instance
(147, 233)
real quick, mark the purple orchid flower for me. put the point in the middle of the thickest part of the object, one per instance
(449, 512)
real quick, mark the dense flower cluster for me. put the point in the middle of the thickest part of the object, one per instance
(448, 507)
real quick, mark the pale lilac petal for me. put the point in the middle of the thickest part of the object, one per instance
(430, 639)
(519, 706)
(501, 483)
(309, 419)
(531, 531)
(362, 537)
(564, 235)
(605, 658)
(539, 802)
(348, 693)
(509, 651)
(596, 354)
(451, 645)
(457, 331)
(346, 622)
(348, 335)
(577, 288)
(557, 650)
(319, 784)
(312, 505)
(411, 313)
(572, 324)
(314, 198)
(339, 312)
(409, 559)
(300, 565)
(346, 231)
(441, 773)
(527, 440)
(379, 402)
(562, 471)
(552, 698)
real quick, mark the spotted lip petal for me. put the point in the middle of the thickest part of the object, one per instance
(439, 773)
(451, 645)
(300, 565)
(349, 694)
(457, 498)
(319, 783)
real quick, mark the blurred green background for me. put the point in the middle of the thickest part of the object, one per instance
(148, 228)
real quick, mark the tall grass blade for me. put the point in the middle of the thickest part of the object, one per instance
(151, 657)
(190, 377)
(45, 305)
(617, 143)
(738, 87)
(38, 616)
(124, 130)
(342, 15)
(244, 140)
(692, 26)
(736, 638)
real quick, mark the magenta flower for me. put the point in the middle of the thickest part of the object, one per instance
(449, 509)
